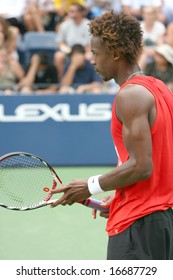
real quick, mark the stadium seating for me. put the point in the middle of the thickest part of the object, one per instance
(35, 42)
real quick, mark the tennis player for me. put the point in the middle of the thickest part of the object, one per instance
(140, 222)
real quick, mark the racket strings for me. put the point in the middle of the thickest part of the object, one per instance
(23, 181)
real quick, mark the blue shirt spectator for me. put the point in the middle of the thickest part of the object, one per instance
(84, 75)
(79, 73)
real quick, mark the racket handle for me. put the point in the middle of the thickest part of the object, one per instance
(94, 203)
(90, 202)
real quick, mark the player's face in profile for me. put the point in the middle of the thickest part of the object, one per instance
(102, 59)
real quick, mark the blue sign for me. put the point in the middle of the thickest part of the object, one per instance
(63, 129)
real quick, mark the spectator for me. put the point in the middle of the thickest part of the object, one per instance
(28, 15)
(4, 32)
(62, 6)
(133, 7)
(152, 31)
(61, 10)
(40, 15)
(11, 72)
(167, 37)
(48, 14)
(11, 42)
(162, 65)
(74, 30)
(8, 37)
(13, 12)
(152, 28)
(80, 76)
(41, 76)
(157, 4)
(32, 17)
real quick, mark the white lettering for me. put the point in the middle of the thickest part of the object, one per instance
(41, 112)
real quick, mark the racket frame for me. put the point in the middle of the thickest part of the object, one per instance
(44, 202)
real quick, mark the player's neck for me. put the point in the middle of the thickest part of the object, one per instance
(127, 74)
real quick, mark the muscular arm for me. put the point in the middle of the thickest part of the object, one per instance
(136, 110)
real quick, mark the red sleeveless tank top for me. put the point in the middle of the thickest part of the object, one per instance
(156, 193)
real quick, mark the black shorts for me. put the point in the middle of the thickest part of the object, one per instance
(148, 238)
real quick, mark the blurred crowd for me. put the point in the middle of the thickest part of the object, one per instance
(68, 69)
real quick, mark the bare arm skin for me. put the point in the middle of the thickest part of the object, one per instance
(135, 108)
(28, 80)
(17, 69)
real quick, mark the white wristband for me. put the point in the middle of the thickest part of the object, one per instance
(94, 186)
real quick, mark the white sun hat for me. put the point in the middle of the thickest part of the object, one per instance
(166, 51)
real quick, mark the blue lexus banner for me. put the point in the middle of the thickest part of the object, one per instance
(63, 129)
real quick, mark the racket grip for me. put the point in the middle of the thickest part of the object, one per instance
(94, 203)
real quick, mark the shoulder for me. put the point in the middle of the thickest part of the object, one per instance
(134, 99)
(134, 92)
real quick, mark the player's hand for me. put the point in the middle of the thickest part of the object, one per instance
(106, 204)
(73, 192)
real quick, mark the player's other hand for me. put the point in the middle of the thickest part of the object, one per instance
(106, 204)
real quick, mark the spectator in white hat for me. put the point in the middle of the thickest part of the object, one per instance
(162, 65)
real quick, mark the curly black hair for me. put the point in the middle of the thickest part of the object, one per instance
(120, 33)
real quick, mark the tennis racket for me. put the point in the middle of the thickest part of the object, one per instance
(26, 181)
